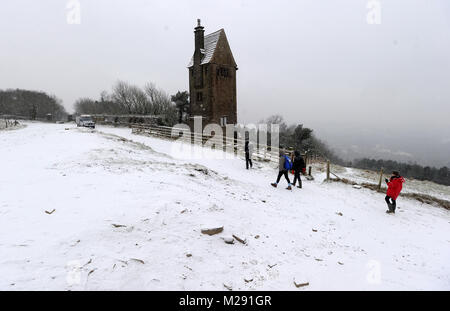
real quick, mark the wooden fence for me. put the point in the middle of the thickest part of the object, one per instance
(262, 151)
(6, 123)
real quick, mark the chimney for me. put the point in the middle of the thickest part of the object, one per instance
(199, 45)
(199, 40)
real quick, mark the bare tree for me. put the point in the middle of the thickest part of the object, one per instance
(139, 101)
(275, 119)
(161, 104)
(85, 106)
(122, 96)
(130, 99)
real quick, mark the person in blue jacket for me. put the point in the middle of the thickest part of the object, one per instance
(284, 165)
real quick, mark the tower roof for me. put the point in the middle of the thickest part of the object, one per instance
(210, 47)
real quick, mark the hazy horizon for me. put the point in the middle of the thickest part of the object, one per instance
(376, 90)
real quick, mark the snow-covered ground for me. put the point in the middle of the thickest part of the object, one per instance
(128, 215)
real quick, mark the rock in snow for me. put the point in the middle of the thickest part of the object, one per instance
(212, 231)
(137, 260)
(228, 240)
(300, 282)
(228, 286)
(118, 226)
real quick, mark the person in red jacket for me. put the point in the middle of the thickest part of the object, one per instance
(395, 185)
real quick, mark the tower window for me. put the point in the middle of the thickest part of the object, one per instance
(223, 72)
(199, 96)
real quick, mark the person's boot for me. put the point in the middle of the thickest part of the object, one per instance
(289, 187)
(274, 185)
(391, 209)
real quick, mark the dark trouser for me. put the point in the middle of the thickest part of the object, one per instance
(390, 205)
(297, 177)
(285, 173)
(248, 160)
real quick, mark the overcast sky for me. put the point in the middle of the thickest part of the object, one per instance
(367, 89)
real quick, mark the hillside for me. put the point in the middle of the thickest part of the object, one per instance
(360, 176)
(128, 214)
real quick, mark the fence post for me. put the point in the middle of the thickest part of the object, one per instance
(265, 150)
(328, 170)
(381, 179)
(309, 171)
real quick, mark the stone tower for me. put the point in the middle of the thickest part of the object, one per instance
(212, 79)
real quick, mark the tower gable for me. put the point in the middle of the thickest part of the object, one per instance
(222, 53)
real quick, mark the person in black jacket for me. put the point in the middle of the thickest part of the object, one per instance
(299, 166)
(248, 154)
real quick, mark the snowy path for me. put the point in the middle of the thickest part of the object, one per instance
(94, 179)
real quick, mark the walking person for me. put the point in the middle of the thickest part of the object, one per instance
(299, 167)
(248, 154)
(284, 165)
(395, 185)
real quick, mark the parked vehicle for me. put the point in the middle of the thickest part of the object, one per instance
(85, 121)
